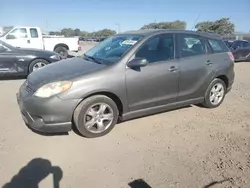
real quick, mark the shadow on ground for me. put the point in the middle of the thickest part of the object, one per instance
(33, 173)
(139, 183)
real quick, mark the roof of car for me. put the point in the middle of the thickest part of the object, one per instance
(148, 32)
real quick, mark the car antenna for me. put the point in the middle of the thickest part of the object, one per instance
(196, 21)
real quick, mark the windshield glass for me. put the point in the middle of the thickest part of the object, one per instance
(113, 48)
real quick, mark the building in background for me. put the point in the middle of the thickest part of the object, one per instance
(238, 36)
(1, 30)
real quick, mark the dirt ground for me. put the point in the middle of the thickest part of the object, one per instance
(185, 148)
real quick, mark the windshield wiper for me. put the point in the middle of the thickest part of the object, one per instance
(93, 59)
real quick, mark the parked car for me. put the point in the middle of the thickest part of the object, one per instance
(128, 75)
(228, 43)
(240, 50)
(20, 61)
(32, 37)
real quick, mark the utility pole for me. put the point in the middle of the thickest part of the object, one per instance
(118, 28)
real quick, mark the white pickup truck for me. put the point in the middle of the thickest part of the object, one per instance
(32, 37)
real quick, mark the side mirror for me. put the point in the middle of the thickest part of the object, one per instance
(137, 62)
(9, 36)
(2, 49)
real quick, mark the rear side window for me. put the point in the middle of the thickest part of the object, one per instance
(191, 45)
(217, 46)
(33, 33)
(246, 44)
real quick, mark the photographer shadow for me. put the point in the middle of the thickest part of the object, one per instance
(33, 173)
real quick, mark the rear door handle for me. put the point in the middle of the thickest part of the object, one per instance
(172, 69)
(28, 41)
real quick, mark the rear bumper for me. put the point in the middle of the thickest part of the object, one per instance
(51, 116)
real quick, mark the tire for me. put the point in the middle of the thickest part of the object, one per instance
(209, 93)
(35, 62)
(81, 114)
(62, 51)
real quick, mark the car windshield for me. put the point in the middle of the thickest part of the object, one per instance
(112, 49)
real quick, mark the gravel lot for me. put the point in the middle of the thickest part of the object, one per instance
(187, 148)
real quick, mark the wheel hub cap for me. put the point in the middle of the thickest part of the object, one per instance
(98, 118)
(216, 94)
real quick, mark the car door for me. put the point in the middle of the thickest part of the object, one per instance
(18, 37)
(236, 46)
(245, 51)
(195, 66)
(241, 50)
(7, 61)
(157, 83)
(36, 40)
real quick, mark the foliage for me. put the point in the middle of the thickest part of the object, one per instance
(166, 25)
(7, 29)
(78, 32)
(68, 32)
(222, 26)
(103, 33)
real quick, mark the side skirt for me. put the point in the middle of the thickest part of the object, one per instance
(158, 109)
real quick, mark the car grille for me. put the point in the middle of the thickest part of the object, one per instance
(29, 87)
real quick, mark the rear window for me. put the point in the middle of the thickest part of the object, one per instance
(218, 46)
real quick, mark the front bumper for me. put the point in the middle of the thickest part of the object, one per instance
(52, 115)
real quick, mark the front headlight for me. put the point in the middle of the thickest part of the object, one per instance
(56, 57)
(53, 88)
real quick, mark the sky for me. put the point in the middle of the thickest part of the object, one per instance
(52, 15)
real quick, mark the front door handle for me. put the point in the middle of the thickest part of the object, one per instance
(172, 69)
(28, 41)
(209, 62)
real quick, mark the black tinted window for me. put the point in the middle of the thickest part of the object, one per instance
(246, 44)
(217, 46)
(191, 45)
(33, 33)
(159, 48)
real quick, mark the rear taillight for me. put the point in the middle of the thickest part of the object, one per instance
(231, 56)
(78, 42)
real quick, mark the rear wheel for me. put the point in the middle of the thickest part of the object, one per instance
(96, 116)
(62, 51)
(37, 64)
(215, 93)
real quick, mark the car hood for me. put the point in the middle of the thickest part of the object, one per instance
(68, 69)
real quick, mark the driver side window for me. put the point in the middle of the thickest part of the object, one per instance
(17, 33)
(158, 48)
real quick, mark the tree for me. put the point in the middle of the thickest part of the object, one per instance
(55, 33)
(166, 25)
(222, 26)
(7, 28)
(77, 32)
(104, 33)
(68, 32)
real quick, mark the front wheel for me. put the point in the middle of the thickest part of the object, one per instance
(96, 116)
(37, 64)
(215, 93)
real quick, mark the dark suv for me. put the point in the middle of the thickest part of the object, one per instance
(128, 75)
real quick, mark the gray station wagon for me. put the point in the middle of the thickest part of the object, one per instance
(125, 76)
